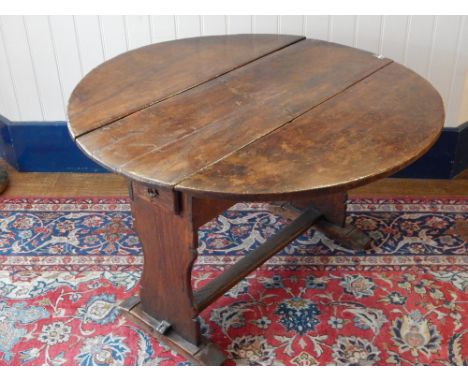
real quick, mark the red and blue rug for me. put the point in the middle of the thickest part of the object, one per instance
(66, 263)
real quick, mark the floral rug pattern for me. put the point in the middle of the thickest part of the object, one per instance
(66, 263)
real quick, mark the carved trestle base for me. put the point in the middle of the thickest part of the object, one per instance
(167, 223)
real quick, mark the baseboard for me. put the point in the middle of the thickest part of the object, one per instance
(48, 147)
(461, 153)
(42, 147)
(7, 151)
(447, 158)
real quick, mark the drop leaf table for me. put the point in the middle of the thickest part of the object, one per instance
(197, 125)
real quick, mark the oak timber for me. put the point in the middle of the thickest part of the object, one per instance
(334, 116)
(144, 76)
(229, 278)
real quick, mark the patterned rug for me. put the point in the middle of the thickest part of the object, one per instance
(66, 263)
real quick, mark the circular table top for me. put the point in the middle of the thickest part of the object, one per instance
(254, 116)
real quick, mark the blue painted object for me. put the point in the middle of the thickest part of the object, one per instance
(42, 147)
(7, 150)
(438, 162)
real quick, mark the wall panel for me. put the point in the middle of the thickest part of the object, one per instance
(68, 58)
(343, 30)
(265, 24)
(214, 25)
(292, 25)
(163, 28)
(444, 54)
(45, 64)
(188, 26)
(239, 24)
(89, 40)
(114, 36)
(8, 98)
(368, 32)
(317, 27)
(395, 32)
(21, 67)
(138, 31)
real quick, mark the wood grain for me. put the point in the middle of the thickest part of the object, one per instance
(235, 273)
(307, 118)
(369, 131)
(188, 132)
(170, 248)
(332, 224)
(135, 80)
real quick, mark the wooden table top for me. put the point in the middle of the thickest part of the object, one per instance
(248, 117)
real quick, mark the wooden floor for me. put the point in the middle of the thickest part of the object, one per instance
(74, 184)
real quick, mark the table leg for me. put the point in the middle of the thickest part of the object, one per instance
(169, 248)
(165, 307)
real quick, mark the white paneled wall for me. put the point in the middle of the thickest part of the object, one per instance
(42, 58)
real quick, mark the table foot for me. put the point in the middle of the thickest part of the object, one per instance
(347, 236)
(204, 354)
(331, 224)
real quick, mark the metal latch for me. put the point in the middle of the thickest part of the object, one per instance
(162, 327)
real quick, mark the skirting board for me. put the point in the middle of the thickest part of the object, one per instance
(447, 158)
(47, 147)
(42, 147)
